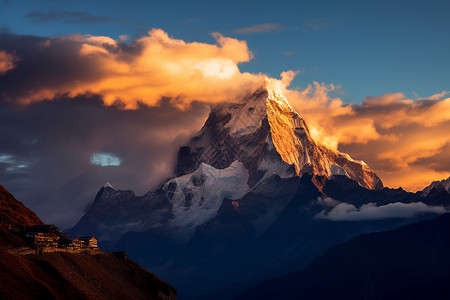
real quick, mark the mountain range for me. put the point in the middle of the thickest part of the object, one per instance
(253, 196)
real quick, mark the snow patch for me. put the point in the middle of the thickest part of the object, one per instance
(337, 170)
(108, 185)
(197, 197)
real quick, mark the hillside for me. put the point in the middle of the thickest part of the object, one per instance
(65, 275)
(411, 262)
(77, 276)
(14, 217)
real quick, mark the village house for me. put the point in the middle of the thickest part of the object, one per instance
(50, 236)
(85, 242)
(44, 235)
(47, 240)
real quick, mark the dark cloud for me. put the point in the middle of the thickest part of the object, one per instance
(44, 64)
(65, 17)
(46, 150)
(440, 161)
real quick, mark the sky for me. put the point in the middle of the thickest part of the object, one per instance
(97, 91)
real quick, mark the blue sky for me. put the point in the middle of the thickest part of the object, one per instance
(369, 47)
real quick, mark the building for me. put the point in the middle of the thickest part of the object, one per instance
(85, 242)
(44, 235)
(47, 229)
(47, 240)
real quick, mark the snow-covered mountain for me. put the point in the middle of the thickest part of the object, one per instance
(240, 147)
(244, 199)
(264, 133)
(442, 185)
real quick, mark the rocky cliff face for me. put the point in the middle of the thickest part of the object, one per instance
(264, 133)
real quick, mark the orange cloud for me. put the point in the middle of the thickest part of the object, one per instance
(405, 141)
(7, 61)
(153, 67)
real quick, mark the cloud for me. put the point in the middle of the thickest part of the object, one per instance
(151, 67)
(266, 27)
(316, 24)
(370, 211)
(328, 201)
(403, 140)
(439, 160)
(7, 61)
(49, 161)
(436, 96)
(65, 17)
(105, 159)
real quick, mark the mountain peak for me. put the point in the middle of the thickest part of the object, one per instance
(437, 185)
(269, 137)
(108, 185)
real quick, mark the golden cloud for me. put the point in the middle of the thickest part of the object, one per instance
(7, 61)
(158, 66)
(403, 140)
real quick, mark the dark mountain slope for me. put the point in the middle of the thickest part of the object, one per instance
(66, 275)
(77, 276)
(400, 264)
(14, 217)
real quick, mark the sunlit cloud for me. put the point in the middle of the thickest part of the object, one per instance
(152, 67)
(404, 140)
(7, 61)
(436, 96)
